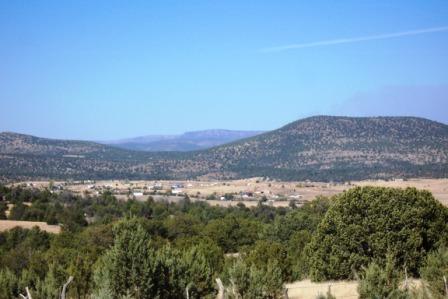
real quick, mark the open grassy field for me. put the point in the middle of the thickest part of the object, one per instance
(248, 191)
(9, 224)
(438, 187)
(306, 289)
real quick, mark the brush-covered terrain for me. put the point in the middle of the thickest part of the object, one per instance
(155, 249)
(320, 148)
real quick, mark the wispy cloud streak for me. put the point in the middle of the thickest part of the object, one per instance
(355, 39)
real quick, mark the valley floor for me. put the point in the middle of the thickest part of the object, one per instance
(247, 191)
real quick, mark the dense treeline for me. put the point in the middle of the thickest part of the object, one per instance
(148, 249)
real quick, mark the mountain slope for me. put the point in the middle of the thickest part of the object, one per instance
(188, 141)
(14, 143)
(340, 148)
(25, 156)
(318, 148)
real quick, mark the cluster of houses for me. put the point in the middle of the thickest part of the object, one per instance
(258, 195)
(137, 190)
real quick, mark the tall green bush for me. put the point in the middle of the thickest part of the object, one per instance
(365, 224)
(435, 271)
(377, 282)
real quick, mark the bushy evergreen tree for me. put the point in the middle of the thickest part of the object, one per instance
(130, 262)
(365, 224)
(250, 281)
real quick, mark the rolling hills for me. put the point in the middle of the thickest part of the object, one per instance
(320, 148)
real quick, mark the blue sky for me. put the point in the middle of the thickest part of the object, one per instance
(113, 69)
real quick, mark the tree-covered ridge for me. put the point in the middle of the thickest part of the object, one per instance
(321, 148)
(342, 148)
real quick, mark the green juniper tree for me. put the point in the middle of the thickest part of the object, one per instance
(127, 268)
(365, 224)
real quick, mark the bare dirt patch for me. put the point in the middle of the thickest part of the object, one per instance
(10, 224)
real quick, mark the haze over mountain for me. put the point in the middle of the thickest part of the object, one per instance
(187, 141)
(321, 148)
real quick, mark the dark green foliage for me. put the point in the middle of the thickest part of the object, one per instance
(232, 232)
(19, 211)
(134, 267)
(434, 271)
(212, 253)
(185, 244)
(249, 281)
(377, 282)
(181, 226)
(297, 256)
(366, 224)
(23, 249)
(129, 264)
(265, 252)
(294, 231)
(200, 269)
(3, 209)
(304, 219)
(8, 284)
(162, 249)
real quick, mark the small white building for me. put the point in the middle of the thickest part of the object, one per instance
(176, 191)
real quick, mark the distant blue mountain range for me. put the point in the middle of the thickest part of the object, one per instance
(188, 141)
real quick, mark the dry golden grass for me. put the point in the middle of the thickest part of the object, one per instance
(438, 187)
(9, 224)
(306, 190)
(306, 289)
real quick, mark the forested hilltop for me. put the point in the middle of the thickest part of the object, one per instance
(322, 148)
(147, 249)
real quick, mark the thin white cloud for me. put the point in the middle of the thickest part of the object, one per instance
(355, 39)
